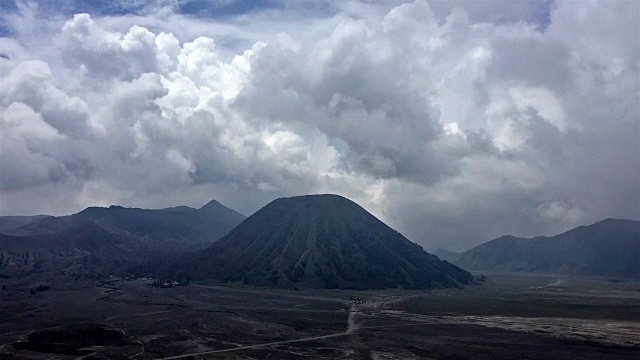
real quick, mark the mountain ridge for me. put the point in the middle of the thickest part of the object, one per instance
(609, 247)
(133, 238)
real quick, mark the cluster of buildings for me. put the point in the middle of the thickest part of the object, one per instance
(164, 284)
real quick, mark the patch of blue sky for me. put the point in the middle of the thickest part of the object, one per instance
(495, 11)
(222, 8)
(6, 7)
(340, 145)
(203, 8)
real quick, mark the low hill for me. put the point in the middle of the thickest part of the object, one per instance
(319, 241)
(609, 248)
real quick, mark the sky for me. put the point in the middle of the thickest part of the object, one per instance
(454, 122)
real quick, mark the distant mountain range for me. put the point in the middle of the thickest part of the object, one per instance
(116, 240)
(319, 241)
(315, 241)
(608, 248)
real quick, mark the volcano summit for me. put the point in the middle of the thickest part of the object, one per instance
(319, 241)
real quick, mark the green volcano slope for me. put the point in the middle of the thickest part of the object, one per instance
(319, 241)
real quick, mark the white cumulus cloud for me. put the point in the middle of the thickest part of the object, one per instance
(453, 124)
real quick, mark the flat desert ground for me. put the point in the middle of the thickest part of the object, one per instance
(508, 316)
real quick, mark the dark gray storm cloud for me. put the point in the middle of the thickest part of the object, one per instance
(455, 124)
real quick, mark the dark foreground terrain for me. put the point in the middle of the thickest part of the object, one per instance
(532, 317)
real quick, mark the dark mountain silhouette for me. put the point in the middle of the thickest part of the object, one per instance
(609, 248)
(113, 240)
(180, 228)
(84, 251)
(319, 241)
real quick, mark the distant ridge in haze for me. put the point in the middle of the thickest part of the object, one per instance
(608, 248)
(12, 222)
(182, 227)
(319, 241)
(111, 240)
(447, 255)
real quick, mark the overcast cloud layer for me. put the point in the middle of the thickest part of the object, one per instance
(453, 124)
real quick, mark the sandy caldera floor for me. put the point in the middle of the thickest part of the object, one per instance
(509, 316)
